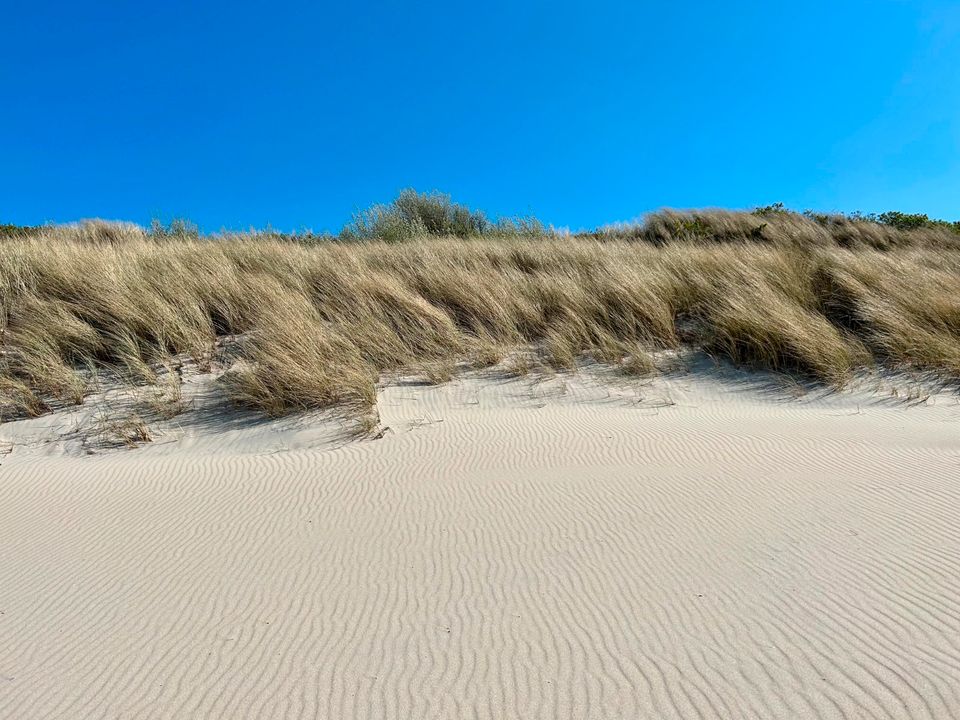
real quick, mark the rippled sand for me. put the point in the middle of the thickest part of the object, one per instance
(564, 548)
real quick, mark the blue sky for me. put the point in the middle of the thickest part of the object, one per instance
(295, 114)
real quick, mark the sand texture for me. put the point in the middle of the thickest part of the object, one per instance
(692, 547)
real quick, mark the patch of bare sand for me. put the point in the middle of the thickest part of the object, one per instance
(701, 545)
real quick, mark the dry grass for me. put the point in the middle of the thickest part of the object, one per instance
(439, 372)
(318, 323)
(780, 228)
(638, 363)
(165, 398)
(124, 429)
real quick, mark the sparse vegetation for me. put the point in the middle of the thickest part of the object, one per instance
(124, 429)
(165, 398)
(439, 372)
(638, 363)
(317, 322)
(518, 364)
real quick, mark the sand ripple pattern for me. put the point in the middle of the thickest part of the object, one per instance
(489, 560)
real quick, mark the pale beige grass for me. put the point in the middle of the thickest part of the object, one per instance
(318, 324)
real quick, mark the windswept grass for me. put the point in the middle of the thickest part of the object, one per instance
(317, 323)
(782, 228)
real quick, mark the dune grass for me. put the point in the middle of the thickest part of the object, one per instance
(318, 322)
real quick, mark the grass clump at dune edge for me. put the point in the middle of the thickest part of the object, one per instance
(317, 322)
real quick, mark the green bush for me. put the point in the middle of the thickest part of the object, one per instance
(415, 215)
(775, 209)
(913, 221)
(177, 229)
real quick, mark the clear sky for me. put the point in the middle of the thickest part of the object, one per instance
(294, 114)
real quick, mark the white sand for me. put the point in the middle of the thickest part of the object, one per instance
(508, 549)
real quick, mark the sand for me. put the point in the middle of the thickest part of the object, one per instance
(699, 546)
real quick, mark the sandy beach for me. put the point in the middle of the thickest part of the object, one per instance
(501, 361)
(704, 545)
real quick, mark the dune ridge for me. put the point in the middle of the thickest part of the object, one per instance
(302, 322)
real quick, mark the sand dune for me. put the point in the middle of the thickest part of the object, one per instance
(694, 547)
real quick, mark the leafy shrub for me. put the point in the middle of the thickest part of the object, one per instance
(413, 215)
(913, 221)
(416, 215)
(775, 209)
(177, 229)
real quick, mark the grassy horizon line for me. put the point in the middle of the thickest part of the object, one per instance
(415, 214)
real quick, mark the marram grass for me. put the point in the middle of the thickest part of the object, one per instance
(317, 323)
